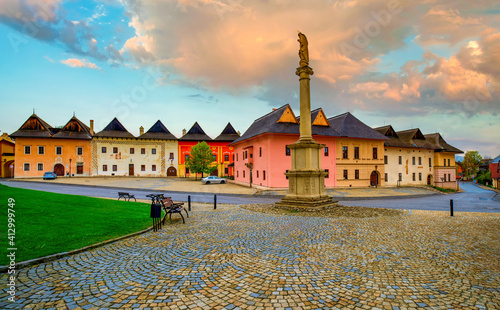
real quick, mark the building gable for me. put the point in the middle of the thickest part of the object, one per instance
(321, 119)
(287, 116)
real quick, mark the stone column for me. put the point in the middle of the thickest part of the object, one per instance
(305, 102)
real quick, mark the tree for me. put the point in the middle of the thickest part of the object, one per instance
(201, 159)
(471, 162)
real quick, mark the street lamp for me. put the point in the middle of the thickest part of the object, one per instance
(376, 172)
(70, 167)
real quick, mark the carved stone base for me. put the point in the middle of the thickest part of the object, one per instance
(299, 203)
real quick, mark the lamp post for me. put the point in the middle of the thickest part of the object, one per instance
(376, 173)
(70, 167)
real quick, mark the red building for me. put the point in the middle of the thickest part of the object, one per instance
(495, 172)
(223, 153)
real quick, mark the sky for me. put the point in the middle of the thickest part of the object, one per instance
(429, 64)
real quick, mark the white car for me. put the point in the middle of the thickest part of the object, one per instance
(212, 179)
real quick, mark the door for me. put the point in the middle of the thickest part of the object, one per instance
(171, 172)
(59, 170)
(215, 172)
(131, 169)
(374, 178)
(429, 179)
(79, 169)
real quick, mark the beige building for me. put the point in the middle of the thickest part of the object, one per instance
(116, 152)
(409, 157)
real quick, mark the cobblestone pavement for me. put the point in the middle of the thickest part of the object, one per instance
(231, 258)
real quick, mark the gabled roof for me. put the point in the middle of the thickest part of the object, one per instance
(349, 126)
(196, 133)
(273, 123)
(228, 134)
(387, 131)
(394, 140)
(34, 127)
(115, 129)
(74, 129)
(440, 145)
(158, 131)
(5, 138)
(496, 160)
(415, 138)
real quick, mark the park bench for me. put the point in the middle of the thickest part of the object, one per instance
(170, 207)
(125, 196)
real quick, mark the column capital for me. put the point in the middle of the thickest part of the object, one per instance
(304, 71)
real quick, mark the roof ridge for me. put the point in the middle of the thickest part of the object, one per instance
(262, 117)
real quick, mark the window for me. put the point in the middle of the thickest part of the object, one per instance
(236, 156)
(115, 168)
(264, 175)
(58, 150)
(258, 173)
(287, 151)
(27, 149)
(327, 173)
(345, 175)
(286, 175)
(245, 155)
(153, 151)
(143, 167)
(171, 156)
(449, 176)
(103, 149)
(214, 157)
(444, 162)
(104, 167)
(237, 174)
(420, 161)
(413, 176)
(26, 167)
(400, 177)
(344, 152)
(385, 159)
(226, 171)
(40, 167)
(186, 171)
(186, 157)
(444, 177)
(326, 150)
(386, 177)
(420, 176)
(413, 160)
(233, 157)
(226, 157)
(260, 152)
(243, 173)
(79, 150)
(356, 174)
(115, 150)
(449, 162)
(375, 153)
(400, 160)
(153, 168)
(132, 150)
(143, 151)
(251, 155)
(41, 150)
(430, 162)
(356, 152)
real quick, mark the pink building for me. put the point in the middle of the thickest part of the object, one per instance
(261, 153)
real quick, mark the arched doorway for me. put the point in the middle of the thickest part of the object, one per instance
(8, 172)
(59, 170)
(429, 179)
(374, 178)
(171, 172)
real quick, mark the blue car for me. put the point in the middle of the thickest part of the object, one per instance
(49, 175)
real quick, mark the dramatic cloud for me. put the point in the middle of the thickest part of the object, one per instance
(77, 63)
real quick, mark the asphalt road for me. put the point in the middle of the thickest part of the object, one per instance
(473, 199)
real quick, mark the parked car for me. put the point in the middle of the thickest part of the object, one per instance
(49, 175)
(212, 179)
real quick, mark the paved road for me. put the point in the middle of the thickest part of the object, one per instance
(474, 199)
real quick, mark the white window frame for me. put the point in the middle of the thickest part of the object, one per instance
(38, 166)
(27, 147)
(43, 148)
(61, 150)
(24, 167)
(79, 148)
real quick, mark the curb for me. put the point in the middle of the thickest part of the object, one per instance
(52, 257)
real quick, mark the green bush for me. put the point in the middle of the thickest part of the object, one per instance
(484, 177)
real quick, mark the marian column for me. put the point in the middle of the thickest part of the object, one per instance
(306, 187)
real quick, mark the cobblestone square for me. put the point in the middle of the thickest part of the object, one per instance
(233, 258)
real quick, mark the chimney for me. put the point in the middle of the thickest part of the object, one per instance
(141, 131)
(239, 133)
(183, 132)
(91, 126)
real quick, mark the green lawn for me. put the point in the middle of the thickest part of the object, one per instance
(48, 223)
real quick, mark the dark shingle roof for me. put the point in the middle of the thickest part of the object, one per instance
(349, 126)
(440, 145)
(34, 127)
(74, 129)
(115, 129)
(228, 134)
(196, 133)
(158, 131)
(415, 138)
(269, 124)
(394, 140)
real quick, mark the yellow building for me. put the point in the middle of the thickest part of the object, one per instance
(6, 156)
(360, 152)
(444, 162)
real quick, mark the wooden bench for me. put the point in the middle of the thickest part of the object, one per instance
(126, 196)
(170, 207)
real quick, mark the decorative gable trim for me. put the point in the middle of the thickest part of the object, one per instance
(288, 116)
(321, 119)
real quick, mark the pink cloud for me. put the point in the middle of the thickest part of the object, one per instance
(77, 63)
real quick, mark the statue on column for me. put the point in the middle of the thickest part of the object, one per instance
(303, 51)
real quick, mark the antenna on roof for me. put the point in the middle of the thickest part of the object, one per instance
(73, 113)
(33, 110)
